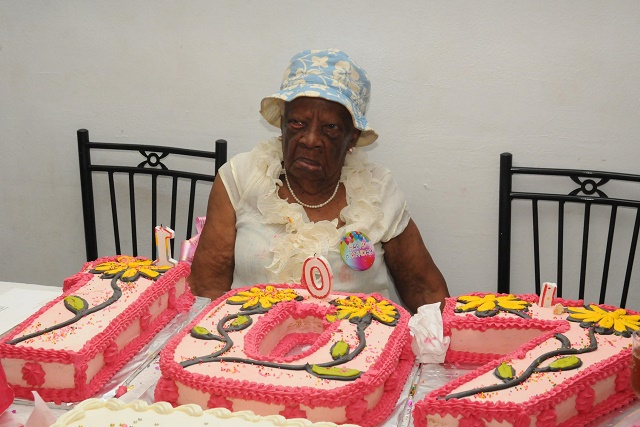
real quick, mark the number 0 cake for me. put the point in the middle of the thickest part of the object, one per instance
(277, 350)
(107, 312)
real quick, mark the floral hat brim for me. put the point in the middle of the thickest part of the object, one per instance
(329, 74)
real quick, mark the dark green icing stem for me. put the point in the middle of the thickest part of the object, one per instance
(533, 367)
(361, 323)
(117, 293)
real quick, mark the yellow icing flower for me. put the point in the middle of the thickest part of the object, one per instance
(263, 297)
(130, 268)
(354, 307)
(604, 321)
(490, 304)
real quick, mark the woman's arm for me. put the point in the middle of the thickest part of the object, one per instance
(416, 276)
(213, 262)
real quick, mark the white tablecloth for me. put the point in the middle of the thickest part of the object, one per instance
(141, 374)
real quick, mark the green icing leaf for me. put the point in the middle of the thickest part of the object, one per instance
(567, 362)
(240, 320)
(335, 372)
(339, 349)
(200, 330)
(505, 371)
(74, 303)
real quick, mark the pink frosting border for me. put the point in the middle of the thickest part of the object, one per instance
(275, 317)
(398, 359)
(520, 415)
(99, 343)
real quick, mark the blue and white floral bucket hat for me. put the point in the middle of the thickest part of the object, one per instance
(328, 74)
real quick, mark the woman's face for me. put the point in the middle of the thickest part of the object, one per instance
(316, 135)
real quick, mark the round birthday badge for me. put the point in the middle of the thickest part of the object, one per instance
(357, 251)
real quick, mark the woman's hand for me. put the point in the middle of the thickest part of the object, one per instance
(213, 262)
(416, 276)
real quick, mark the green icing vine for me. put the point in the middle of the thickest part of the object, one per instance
(259, 301)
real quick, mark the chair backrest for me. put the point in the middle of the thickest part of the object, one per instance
(136, 187)
(575, 224)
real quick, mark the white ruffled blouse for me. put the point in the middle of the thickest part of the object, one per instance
(274, 237)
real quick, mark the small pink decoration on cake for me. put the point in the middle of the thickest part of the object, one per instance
(472, 420)
(585, 399)
(392, 381)
(356, 410)
(163, 249)
(111, 353)
(121, 391)
(217, 401)
(547, 294)
(33, 374)
(293, 412)
(547, 418)
(319, 265)
(169, 390)
(6, 393)
(145, 320)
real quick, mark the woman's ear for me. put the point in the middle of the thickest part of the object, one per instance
(354, 140)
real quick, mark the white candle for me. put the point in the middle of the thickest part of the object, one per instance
(320, 266)
(547, 294)
(163, 250)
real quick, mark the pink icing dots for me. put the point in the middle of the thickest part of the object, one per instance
(293, 412)
(356, 410)
(33, 374)
(217, 401)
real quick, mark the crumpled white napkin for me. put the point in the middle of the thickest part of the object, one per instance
(41, 416)
(428, 341)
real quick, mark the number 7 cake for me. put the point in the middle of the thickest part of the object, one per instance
(564, 365)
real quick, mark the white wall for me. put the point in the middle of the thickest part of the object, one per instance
(455, 83)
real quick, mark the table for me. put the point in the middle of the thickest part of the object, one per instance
(141, 374)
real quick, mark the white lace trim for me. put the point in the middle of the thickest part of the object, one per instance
(303, 238)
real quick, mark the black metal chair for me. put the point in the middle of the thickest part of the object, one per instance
(598, 233)
(135, 187)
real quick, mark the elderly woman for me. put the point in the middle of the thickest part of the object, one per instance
(312, 191)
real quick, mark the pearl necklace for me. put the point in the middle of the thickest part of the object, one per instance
(300, 202)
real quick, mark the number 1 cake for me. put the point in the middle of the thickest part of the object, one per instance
(107, 312)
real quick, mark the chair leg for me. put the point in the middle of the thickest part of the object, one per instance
(504, 224)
